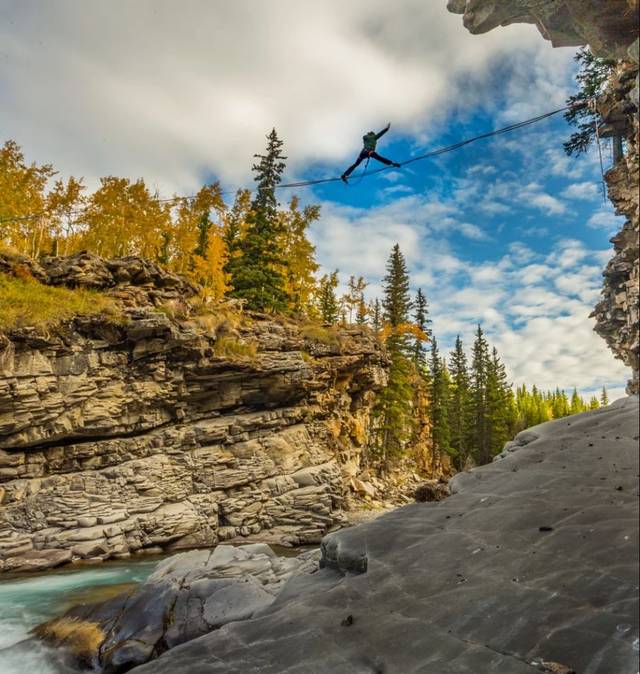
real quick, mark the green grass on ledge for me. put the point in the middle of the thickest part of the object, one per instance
(24, 302)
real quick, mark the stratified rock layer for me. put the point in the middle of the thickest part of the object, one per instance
(531, 565)
(119, 435)
(618, 313)
(608, 26)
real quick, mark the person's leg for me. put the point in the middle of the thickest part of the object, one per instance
(361, 157)
(384, 160)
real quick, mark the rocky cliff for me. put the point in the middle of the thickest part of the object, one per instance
(607, 26)
(167, 427)
(618, 314)
(610, 28)
(530, 566)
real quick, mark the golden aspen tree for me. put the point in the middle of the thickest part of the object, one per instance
(193, 229)
(63, 204)
(22, 196)
(298, 253)
(124, 218)
(208, 270)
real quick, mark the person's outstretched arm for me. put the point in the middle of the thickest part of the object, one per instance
(381, 133)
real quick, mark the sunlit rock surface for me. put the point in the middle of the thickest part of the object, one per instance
(618, 312)
(531, 565)
(135, 432)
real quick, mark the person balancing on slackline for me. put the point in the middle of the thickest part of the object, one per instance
(369, 151)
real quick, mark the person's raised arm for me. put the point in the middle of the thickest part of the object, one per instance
(381, 133)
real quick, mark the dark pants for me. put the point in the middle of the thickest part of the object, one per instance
(366, 154)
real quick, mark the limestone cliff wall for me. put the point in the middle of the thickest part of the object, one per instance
(120, 435)
(610, 28)
(607, 26)
(618, 314)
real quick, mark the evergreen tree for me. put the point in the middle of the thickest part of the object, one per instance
(480, 450)
(396, 302)
(440, 431)
(376, 315)
(327, 301)
(163, 253)
(499, 406)
(594, 403)
(422, 322)
(393, 412)
(604, 397)
(592, 77)
(257, 275)
(577, 404)
(460, 413)
(362, 312)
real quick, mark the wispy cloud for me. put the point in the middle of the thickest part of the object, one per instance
(580, 191)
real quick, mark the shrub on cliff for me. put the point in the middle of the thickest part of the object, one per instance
(25, 302)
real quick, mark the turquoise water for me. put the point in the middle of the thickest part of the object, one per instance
(29, 600)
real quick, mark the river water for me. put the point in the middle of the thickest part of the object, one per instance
(29, 600)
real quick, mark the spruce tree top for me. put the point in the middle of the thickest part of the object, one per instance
(397, 300)
(268, 173)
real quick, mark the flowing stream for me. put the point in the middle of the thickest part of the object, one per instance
(31, 599)
(28, 600)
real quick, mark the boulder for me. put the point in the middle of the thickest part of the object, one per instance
(187, 596)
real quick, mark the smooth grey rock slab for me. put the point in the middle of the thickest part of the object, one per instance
(188, 595)
(534, 560)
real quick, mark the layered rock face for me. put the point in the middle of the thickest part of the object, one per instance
(610, 28)
(124, 434)
(618, 313)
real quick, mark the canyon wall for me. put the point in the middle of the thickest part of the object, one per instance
(610, 28)
(618, 313)
(145, 431)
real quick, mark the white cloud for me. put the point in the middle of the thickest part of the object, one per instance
(581, 191)
(472, 231)
(605, 219)
(179, 92)
(176, 92)
(533, 195)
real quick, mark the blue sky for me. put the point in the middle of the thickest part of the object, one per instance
(508, 231)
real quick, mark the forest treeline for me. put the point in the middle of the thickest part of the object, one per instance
(257, 250)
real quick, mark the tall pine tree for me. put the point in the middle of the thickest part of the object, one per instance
(480, 449)
(256, 275)
(499, 407)
(440, 431)
(327, 300)
(460, 412)
(423, 323)
(393, 412)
